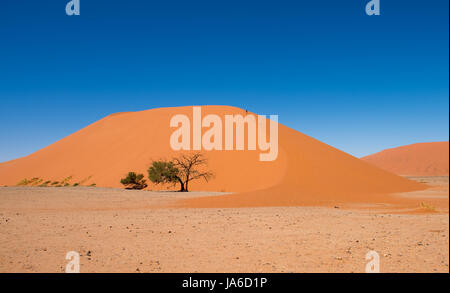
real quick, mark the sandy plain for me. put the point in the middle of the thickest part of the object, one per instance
(117, 230)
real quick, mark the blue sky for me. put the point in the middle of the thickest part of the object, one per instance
(358, 83)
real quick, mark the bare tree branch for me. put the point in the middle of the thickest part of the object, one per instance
(188, 165)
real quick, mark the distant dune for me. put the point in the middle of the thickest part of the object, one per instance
(307, 171)
(420, 159)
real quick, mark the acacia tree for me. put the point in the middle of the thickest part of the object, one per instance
(164, 172)
(190, 167)
(182, 169)
(134, 181)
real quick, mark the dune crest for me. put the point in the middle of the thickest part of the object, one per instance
(420, 159)
(306, 172)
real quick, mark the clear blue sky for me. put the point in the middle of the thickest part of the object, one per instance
(356, 82)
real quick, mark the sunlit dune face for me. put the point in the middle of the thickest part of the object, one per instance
(305, 171)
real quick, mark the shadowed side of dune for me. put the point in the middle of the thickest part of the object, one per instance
(317, 174)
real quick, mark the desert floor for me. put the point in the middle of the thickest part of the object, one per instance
(130, 231)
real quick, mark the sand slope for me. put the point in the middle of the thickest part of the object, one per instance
(104, 151)
(420, 159)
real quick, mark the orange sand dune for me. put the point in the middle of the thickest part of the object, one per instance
(420, 159)
(307, 171)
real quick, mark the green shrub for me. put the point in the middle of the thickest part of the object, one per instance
(164, 172)
(134, 181)
(37, 182)
(182, 169)
(66, 180)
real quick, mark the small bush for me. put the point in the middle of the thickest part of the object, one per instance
(76, 184)
(37, 182)
(66, 180)
(134, 181)
(23, 182)
(45, 184)
(182, 169)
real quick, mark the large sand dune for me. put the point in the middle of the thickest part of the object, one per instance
(307, 171)
(420, 159)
